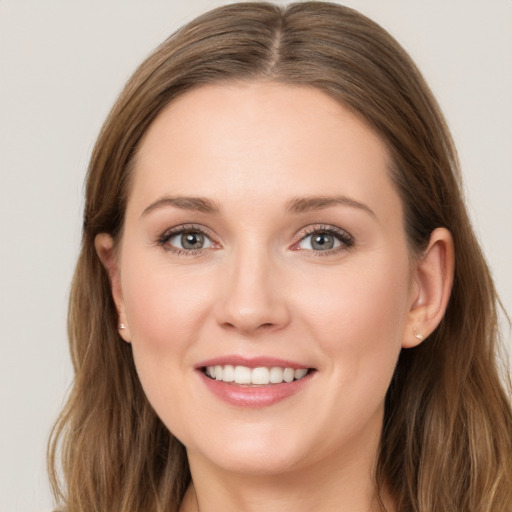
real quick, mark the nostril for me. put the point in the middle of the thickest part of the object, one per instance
(263, 326)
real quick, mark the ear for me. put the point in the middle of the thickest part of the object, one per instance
(432, 285)
(104, 245)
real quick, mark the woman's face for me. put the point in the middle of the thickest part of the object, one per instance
(263, 232)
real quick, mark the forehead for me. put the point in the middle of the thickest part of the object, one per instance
(256, 141)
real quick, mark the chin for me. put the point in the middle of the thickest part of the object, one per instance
(262, 449)
(251, 461)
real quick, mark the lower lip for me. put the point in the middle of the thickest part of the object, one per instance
(254, 396)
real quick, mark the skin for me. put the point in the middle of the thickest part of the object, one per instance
(258, 287)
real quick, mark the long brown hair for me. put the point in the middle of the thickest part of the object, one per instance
(447, 436)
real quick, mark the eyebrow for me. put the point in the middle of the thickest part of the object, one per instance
(294, 206)
(198, 204)
(305, 204)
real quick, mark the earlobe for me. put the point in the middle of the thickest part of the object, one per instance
(104, 245)
(433, 279)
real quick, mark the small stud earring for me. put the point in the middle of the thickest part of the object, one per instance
(122, 326)
(418, 335)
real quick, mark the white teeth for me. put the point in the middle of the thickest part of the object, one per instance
(288, 374)
(301, 372)
(242, 375)
(228, 374)
(257, 376)
(276, 375)
(260, 376)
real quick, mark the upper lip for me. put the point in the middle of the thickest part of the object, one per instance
(251, 362)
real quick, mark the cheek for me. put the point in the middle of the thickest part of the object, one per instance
(359, 319)
(370, 295)
(162, 306)
(164, 310)
(357, 322)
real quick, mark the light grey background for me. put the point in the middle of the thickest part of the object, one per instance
(62, 64)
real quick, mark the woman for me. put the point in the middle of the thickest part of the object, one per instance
(280, 301)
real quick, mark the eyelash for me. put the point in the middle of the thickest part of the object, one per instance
(345, 239)
(164, 238)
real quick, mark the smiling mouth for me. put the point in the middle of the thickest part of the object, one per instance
(260, 376)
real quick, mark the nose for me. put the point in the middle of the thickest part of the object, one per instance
(253, 297)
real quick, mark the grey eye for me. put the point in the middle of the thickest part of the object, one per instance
(320, 241)
(190, 241)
